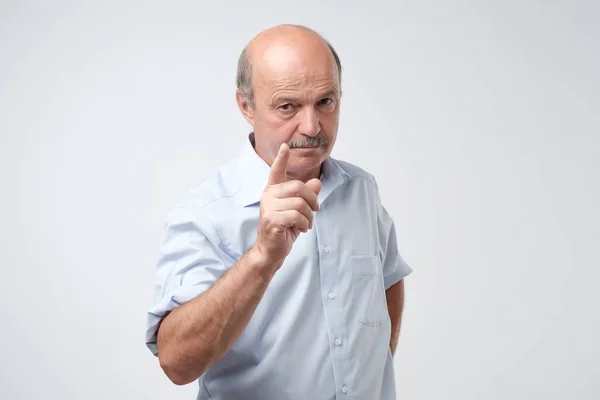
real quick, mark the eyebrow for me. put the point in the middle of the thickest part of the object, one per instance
(284, 99)
(329, 93)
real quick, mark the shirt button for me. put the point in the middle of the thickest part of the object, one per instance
(344, 389)
(331, 295)
(326, 248)
(338, 341)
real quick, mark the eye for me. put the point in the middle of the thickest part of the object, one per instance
(325, 102)
(286, 107)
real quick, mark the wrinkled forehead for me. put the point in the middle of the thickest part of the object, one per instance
(295, 67)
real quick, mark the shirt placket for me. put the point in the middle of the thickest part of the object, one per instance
(329, 260)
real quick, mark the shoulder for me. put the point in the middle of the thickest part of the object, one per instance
(216, 191)
(357, 173)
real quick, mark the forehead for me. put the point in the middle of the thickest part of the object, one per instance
(290, 67)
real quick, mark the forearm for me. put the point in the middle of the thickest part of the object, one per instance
(199, 333)
(395, 301)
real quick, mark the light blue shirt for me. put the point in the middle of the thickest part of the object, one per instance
(322, 329)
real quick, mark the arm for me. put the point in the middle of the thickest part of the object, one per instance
(395, 302)
(199, 333)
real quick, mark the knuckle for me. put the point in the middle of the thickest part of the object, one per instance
(296, 187)
(266, 194)
(298, 203)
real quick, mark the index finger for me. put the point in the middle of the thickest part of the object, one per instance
(278, 172)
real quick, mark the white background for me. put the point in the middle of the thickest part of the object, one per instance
(480, 121)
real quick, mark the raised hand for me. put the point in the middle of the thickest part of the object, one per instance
(286, 210)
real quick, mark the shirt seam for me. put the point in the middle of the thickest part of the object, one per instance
(222, 243)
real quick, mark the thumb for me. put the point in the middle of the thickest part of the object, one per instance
(315, 185)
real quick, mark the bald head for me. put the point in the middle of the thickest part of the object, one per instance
(281, 48)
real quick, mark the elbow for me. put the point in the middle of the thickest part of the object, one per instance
(179, 376)
(175, 377)
(179, 380)
(180, 371)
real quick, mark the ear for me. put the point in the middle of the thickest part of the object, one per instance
(246, 108)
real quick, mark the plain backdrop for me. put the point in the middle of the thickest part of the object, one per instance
(480, 120)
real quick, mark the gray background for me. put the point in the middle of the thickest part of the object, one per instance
(479, 119)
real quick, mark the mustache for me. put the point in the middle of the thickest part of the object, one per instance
(310, 141)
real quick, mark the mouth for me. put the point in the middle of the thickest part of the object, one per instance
(307, 149)
(316, 146)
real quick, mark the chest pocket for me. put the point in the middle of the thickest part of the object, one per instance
(368, 290)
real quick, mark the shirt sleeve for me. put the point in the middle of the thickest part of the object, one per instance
(190, 261)
(394, 266)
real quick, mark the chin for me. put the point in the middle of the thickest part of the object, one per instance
(309, 157)
(306, 162)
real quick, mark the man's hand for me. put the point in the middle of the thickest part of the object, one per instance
(286, 209)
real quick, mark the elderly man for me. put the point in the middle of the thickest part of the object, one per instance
(279, 276)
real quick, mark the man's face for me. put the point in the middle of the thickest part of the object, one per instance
(297, 104)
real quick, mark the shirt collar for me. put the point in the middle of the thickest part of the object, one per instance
(254, 172)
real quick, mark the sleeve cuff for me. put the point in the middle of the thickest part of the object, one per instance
(167, 304)
(401, 271)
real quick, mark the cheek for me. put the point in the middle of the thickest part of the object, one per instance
(282, 128)
(329, 124)
(275, 130)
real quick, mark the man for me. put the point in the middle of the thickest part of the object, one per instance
(279, 276)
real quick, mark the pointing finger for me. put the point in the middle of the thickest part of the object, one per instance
(279, 167)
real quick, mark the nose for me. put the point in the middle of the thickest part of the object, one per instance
(309, 122)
